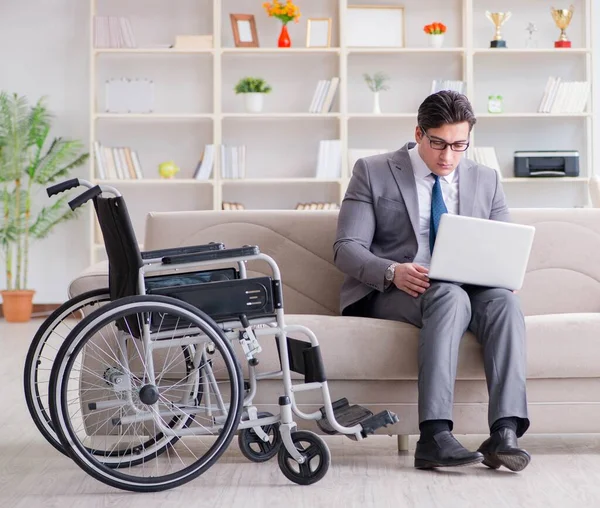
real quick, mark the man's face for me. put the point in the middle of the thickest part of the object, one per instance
(442, 162)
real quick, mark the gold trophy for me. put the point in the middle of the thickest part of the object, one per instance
(562, 18)
(498, 18)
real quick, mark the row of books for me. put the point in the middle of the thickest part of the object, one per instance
(228, 205)
(113, 32)
(329, 159)
(116, 163)
(486, 155)
(564, 96)
(233, 161)
(322, 100)
(437, 85)
(205, 164)
(317, 206)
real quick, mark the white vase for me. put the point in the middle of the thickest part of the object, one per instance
(436, 40)
(376, 107)
(254, 102)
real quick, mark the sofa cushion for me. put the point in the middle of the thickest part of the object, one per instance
(558, 346)
(93, 277)
(563, 274)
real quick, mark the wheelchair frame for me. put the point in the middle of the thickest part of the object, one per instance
(244, 329)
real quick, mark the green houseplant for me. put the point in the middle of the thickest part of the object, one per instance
(253, 90)
(29, 161)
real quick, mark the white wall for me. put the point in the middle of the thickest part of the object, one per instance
(596, 84)
(44, 51)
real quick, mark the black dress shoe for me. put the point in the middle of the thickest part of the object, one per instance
(501, 449)
(444, 451)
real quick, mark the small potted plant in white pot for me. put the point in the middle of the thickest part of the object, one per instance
(254, 90)
(29, 162)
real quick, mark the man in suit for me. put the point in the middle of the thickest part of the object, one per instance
(386, 231)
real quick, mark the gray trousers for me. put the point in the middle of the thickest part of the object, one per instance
(444, 313)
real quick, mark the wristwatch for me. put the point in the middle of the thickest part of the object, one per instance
(390, 271)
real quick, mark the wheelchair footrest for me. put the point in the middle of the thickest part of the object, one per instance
(383, 419)
(345, 414)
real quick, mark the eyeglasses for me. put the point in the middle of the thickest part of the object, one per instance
(438, 144)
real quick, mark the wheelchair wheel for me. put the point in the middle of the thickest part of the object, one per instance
(316, 455)
(41, 357)
(42, 353)
(120, 379)
(254, 448)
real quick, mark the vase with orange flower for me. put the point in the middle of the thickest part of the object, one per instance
(436, 31)
(285, 11)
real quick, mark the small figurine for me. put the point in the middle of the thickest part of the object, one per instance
(167, 169)
(531, 42)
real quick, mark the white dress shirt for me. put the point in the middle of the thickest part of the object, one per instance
(424, 180)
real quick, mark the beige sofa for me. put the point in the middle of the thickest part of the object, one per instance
(374, 362)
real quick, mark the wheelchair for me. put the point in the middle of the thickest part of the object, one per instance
(156, 374)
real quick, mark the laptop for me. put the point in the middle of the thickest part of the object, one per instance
(481, 252)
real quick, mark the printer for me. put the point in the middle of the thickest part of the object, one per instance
(546, 163)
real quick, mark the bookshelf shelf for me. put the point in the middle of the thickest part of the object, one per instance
(158, 51)
(197, 106)
(387, 51)
(283, 116)
(154, 116)
(278, 181)
(533, 115)
(280, 51)
(532, 51)
(156, 181)
(533, 180)
(382, 115)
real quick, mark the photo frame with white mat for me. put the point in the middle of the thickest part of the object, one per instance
(318, 33)
(244, 30)
(375, 26)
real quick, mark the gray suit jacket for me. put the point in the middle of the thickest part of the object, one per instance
(378, 221)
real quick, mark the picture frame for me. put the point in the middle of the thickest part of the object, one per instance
(244, 30)
(318, 33)
(375, 26)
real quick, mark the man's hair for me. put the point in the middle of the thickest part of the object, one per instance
(445, 107)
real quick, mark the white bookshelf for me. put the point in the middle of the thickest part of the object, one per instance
(196, 106)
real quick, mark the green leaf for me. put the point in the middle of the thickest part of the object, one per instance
(61, 157)
(49, 217)
(28, 161)
(252, 85)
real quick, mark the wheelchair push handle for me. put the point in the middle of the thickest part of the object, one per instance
(85, 197)
(62, 186)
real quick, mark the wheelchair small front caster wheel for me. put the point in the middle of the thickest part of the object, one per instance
(254, 448)
(316, 458)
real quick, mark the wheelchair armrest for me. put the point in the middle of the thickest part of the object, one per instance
(216, 255)
(161, 253)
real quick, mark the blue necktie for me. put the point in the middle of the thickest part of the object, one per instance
(438, 207)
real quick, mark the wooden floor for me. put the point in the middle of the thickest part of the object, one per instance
(564, 472)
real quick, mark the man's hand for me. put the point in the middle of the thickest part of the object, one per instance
(411, 278)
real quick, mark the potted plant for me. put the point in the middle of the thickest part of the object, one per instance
(285, 12)
(436, 31)
(28, 163)
(376, 84)
(254, 90)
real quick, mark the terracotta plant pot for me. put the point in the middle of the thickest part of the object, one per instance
(17, 305)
